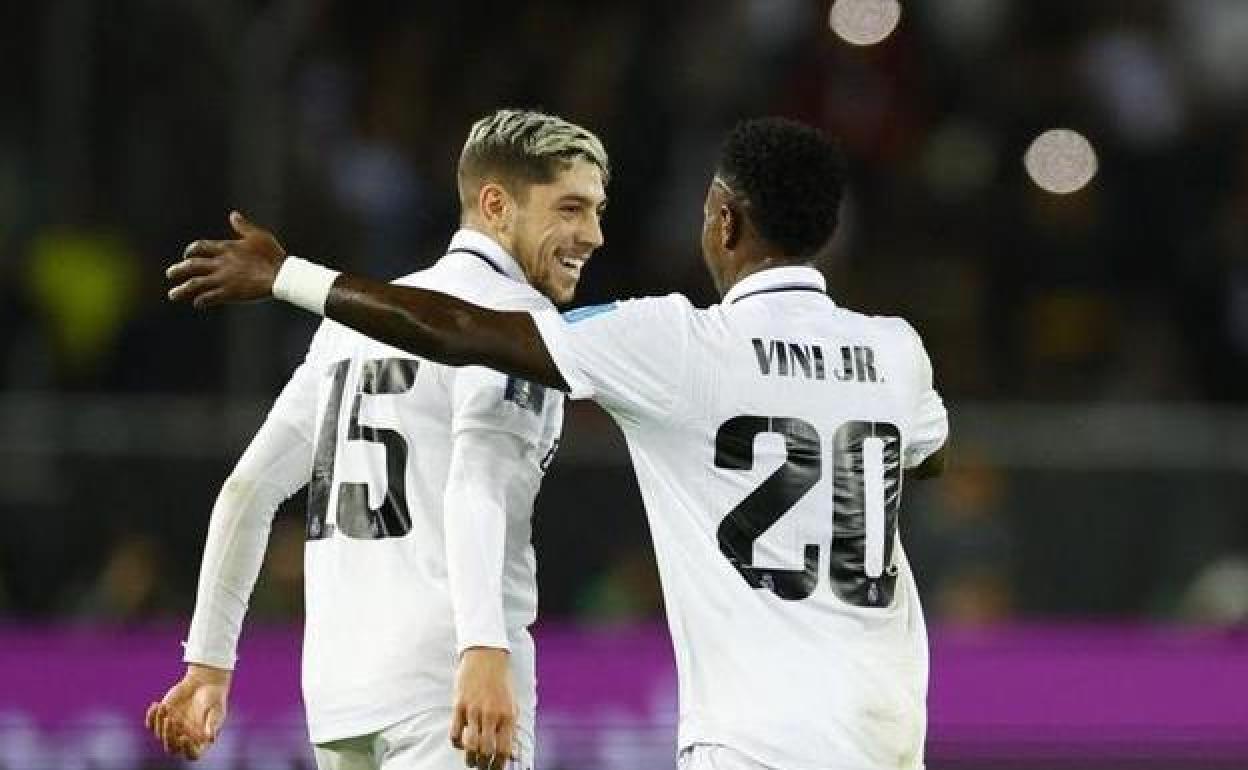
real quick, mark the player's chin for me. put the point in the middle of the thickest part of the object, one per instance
(563, 290)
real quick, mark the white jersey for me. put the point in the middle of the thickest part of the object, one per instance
(410, 462)
(769, 435)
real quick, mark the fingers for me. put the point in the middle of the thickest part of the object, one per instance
(209, 299)
(164, 728)
(487, 741)
(468, 739)
(175, 737)
(500, 746)
(196, 275)
(212, 722)
(506, 741)
(241, 224)
(194, 751)
(498, 762)
(458, 720)
(191, 267)
(192, 289)
(486, 744)
(204, 248)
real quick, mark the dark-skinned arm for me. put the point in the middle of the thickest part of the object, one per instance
(427, 323)
(443, 328)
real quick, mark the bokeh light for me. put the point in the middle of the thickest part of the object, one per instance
(864, 22)
(1060, 161)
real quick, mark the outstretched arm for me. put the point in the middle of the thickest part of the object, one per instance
(443, 328)
(429, 324)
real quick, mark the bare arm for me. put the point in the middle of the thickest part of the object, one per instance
(429, 324)
(443, 328)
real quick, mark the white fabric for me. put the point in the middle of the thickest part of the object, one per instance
(304, 284)
(841, 674)
(705, 756)
(275, 465)
(419, 742)
(385, 618)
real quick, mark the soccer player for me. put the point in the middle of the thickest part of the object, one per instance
(771, 435)
(421, 486)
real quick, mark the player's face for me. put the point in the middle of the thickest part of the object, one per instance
(558, 227)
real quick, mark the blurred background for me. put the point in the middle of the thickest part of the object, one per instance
(1084, 562)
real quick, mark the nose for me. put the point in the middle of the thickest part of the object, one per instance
(591, 234)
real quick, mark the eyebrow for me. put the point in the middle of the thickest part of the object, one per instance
(585, 199)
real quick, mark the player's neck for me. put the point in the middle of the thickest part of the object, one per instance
(750, 265)
(478, 225)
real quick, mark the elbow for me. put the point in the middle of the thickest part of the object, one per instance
(237, 491)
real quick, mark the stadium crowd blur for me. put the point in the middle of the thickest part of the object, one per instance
(130, 127)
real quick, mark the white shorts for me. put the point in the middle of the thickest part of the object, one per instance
(712, 756)
(421, 742)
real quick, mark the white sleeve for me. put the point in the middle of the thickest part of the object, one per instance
(929, 425)
(498, 425)
(276, 464)
(628, 356)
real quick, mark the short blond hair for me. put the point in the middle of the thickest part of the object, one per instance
(524, 147)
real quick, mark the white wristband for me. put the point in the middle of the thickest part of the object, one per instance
(304, 284)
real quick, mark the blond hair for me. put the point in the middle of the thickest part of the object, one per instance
(519, 148)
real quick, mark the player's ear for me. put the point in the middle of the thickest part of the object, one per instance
(729, 227)
(496, 206)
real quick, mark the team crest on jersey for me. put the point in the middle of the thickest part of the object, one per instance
(525, 394)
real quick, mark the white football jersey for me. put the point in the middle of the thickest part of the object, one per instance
(381, 641)
(769, 436)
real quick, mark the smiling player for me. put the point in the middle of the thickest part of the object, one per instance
(421, 486)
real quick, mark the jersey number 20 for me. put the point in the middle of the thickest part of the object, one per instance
(354, 517)
(866, 496)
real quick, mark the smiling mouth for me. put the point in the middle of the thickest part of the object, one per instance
(571, 264)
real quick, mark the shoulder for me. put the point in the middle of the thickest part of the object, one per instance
(901, 336)
(891, 324)
(891, 328)
(477, 283)
(670, 305)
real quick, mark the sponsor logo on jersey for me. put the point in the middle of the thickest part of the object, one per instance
(781, 358)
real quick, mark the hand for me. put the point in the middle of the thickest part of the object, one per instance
(189, 717)
(216, 272)
(483, 723)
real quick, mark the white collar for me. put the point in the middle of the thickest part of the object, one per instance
(477, 244)
(792, 278)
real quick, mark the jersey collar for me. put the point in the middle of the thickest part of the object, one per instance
(777, 279)
(478, 245)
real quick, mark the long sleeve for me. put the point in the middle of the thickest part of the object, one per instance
(275, 465)
(495, 470)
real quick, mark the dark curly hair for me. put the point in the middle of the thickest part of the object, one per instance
(793, 177)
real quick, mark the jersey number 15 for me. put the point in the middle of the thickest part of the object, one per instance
(353, 516)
